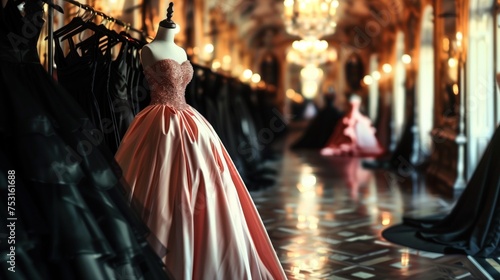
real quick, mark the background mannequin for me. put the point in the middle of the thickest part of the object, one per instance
(354, 135)
(163, 45)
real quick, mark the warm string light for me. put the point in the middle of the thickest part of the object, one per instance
(226, 63)
(255, 78)
(376, 76)
(387, 68)
(455, 89)
(294, 96)
(206, 56)
(452, 62)
(368, 80)
(207, 53)
(459, 37)
(246, 75)
(216, 65)
(406, 58)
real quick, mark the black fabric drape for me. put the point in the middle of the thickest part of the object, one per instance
(473, 225)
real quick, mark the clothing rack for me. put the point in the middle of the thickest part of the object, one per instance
(127, 27)
(51, 40)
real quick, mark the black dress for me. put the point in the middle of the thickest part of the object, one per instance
(321, 127)
(473, 225)
(69, 216)
(100, 86)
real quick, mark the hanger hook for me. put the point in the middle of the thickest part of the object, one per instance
(112, 22)
(105, 20)
(94, 14)
(90, 12)
(77, 13)
(86, 14)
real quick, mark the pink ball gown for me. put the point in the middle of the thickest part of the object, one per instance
(354, 135)
(190, 194)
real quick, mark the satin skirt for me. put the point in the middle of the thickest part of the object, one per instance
(353, 136)
(191, 196)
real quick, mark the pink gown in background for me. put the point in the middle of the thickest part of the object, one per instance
(190, 194)
(354, 135)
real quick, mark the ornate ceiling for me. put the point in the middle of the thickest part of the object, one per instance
(361, 23)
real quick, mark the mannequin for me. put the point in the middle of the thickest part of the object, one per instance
(163, 45)
(354, 135)
(203, 222)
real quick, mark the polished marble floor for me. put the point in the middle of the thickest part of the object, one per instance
(325, 216)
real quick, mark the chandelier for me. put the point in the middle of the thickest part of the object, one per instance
(311, 77)
(307, 52)
(310, 19)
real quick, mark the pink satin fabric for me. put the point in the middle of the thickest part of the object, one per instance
(204, 222)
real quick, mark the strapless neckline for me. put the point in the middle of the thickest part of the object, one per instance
(168, 59)
(167, 80)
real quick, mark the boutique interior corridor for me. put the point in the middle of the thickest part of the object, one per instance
(325, 216)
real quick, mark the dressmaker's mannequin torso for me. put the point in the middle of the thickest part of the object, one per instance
(162, 47)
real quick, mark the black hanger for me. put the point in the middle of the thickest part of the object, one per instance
(135, 42)
(72, 25)
(79, 29)
(103, 37)
(76, 22)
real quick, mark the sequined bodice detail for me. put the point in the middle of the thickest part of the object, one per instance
(167, 80)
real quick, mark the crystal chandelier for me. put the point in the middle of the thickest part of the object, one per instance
(310, 19)
(311, 77)
(306, 52)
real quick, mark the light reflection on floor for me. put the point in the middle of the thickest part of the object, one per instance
(326, 214)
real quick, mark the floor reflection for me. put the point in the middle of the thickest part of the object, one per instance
(326, 214)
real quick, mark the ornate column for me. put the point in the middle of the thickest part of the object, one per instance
(461, 139)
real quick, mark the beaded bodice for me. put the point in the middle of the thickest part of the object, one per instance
(167, 80)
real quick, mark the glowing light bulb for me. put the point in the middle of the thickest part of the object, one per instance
(406, 58)
(387, 68)
(247, 74)
(255, 78)
(452, 62)
(368, 80)
(209, 48)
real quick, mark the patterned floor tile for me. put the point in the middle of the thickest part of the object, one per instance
(325, 217)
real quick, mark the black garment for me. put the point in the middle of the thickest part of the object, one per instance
(101, 85)
(250, 141)
(138, 91)
(473, 225)
(120, 107)
(320, 128)
(226, 104)
(73, 221)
